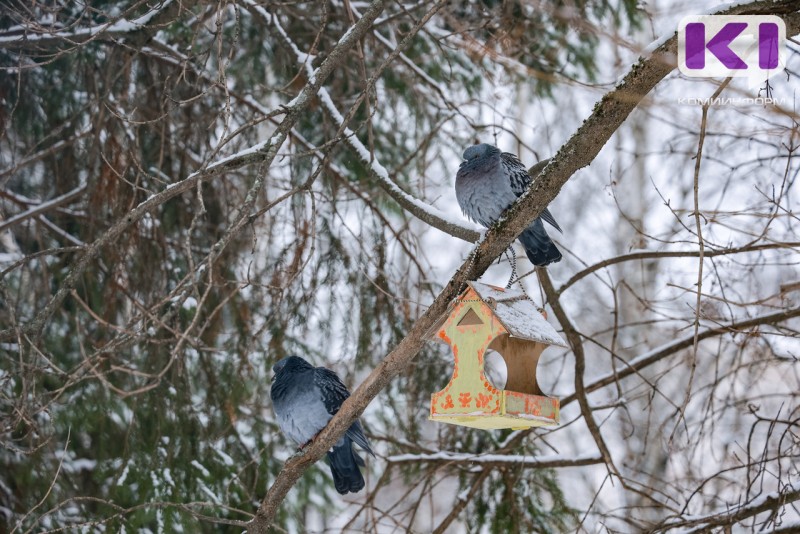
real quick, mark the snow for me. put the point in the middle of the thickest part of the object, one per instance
(383, 175)
(168, 476)
(189, 304)
(519, 316)
(532, 417)
(119, 27)
(666, 36)
(79, 464)
(124, 474)
(41, 207)
(211, 494)
(201, 468)
(731, 509)
(761, 499)
(650, 48)
(244, 429)
(378, 170)
(445, 456)
(225, 458)
(241, 154)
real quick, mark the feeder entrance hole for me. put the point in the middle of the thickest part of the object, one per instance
(521, 358)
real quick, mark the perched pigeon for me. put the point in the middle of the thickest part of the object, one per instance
(487, 183)
(305, 398)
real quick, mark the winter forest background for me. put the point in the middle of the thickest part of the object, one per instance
(184, 200)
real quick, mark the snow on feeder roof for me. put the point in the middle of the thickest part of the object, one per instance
(520, 317)
(485, 318)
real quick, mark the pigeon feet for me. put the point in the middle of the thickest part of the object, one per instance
(309, 442)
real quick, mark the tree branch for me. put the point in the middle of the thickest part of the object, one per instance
(772, 501)
(638, 256)
(43, 206)
(34, 39)
(423, 211)
(462, 501)
(494, 460)
(651, 357)
(576, 344)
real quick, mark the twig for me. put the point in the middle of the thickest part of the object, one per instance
(701, 246)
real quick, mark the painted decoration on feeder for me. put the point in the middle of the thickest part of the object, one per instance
(485, 318)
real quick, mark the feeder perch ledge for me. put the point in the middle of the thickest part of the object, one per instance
(486, 317)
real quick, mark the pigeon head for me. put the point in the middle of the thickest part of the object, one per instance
(290, 364)
(479, 151)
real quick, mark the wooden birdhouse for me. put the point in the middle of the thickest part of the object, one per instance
(490, 318)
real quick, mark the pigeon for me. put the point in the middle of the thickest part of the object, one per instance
(305, 398)
(488, 183)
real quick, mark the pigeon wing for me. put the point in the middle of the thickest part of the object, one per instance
(334, 393)
(520, 180)
(517, 173)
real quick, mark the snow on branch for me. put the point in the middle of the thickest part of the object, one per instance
(731, 515)
(43, 207)
(422, 210)
(23, 36)
(492, 460)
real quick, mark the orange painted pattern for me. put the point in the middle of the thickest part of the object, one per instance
(448, 403)
(536, 405)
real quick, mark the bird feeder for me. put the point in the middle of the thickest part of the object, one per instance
(486, 317)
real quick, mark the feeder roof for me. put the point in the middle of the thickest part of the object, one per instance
(518, 314)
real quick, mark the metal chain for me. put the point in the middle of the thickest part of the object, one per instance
(513, 261)
(513, 278)
(526, 294)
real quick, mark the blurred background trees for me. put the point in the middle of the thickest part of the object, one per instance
(139, 400)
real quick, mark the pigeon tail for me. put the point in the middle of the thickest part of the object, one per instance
(344, 461)
(539, 248)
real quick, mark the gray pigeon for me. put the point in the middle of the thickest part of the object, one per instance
(487, 183)
(305, 398)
